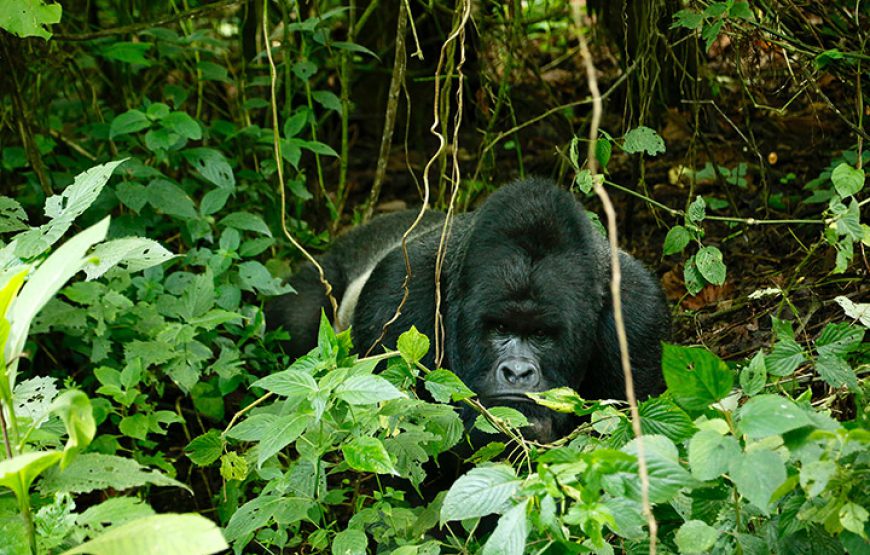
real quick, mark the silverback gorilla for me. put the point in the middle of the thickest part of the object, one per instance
(525, 297)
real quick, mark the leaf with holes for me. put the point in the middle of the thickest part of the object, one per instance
(643, 139)
(212, 166)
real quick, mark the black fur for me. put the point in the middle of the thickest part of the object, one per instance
(525, 299)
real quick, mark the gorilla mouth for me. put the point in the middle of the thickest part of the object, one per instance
(510, 398)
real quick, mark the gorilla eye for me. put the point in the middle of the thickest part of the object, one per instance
(541, 333)
(501, 328)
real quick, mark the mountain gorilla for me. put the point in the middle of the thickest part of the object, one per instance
(525, 297)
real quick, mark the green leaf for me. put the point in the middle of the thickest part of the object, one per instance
(757, 475)
(696, 536)
(130, 121)
(643, 139)
(29, 18)
(367, 390)
(160, 139)
(134, 253)
(74, 408)
(692, 276)
(584, 182)
(296, 123)
(666, 475)
(350, 542)
(166, 534)
(254, 514)
(445, 386)
(211, 71)
(754, 375)
(564, 400)
(603, 148)
(19, 472)
(157, 111)
(289, 383)
(353, 47)
(849, 222)
(839, 339)
(284, 431)
(328, 100)
(677, 239)
(170, 199)
(661, 416)
(688, 19)
(512, 417)
(413, 345)
(212, 166)
(695, 377)
(368, 454)
(183, 124)
(697, 210)
(213, 201)
(836, 372)
(245, 221)
(128, 52)
(768, 415)
(853, 517)
(254, 428)
(92, 471)
(133, 195)
(815, 476)
(206, 448)
(509, 536)
(785, 357)
(481, 491)
(710, 454)
(847, 180)
(12, 215)
(709, 263)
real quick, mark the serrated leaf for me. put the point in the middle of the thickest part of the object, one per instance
(367, 390)
(643, 139)
(289, 383)
(205, 449)
(836, 372)
(858, 311)
(93, 471)
(785, 357)
(165, 534)
(677, 239)
(254, 514)
(847, 180)
(368, 454)
(754, 375)
(695, 377)
(710, 454)
(130, 121)
(350, 542)
(479, 492)
(710, 264)
(768, 415)
(445, 386)
(757, 475)
(696, 536)
(212, 166)
(666, 475)
(134, 253)
(661, 416)
(285, 430)
(509, 536)
(412, 345)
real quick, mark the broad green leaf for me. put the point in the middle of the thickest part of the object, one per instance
(160, 139)
(710, 454)
(754, 375)
(839, 339)
(677, 239)
(695, 282)
(785, 357)
(19, 472)
(509, 536)
(74, 408)
(170, 199)
(166, 534)
(666, 475)
(767, 415)
(130, 121)
(836, 371)
(115, 510)
(696, 536)
(133, 195)
(847, 180)
(134, 253)
(206, 448)
(368, 454)
(350, 542)
(565, 400)
(93, 471)
(696, 377)
(757, 475)
(512, 417)
(412, 345)
(246, 221)
(29, 18)
(254, 514)
(710, 264)
(212, 165)
(445, 386)
(643, 139)
(481, 491)
(328, 100)
(296, 123)
(285, 430)
(815, 475)
(688, 19)
(697, 210)
(603, 148)
(853, 517)
(51, 275)
(12, 215)
(367, 390)
(182, 124)
(289, 383)
(661, 416)
(128, 52)
(254, 428)
(211, 71)
(157, 111)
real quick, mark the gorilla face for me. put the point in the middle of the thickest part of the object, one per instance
(528, 318)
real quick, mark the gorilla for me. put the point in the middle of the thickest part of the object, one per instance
(525, 295)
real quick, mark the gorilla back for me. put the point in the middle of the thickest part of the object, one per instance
(525, 300)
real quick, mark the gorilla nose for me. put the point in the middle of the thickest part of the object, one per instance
(519, 373)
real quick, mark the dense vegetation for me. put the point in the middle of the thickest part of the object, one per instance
(163, 168)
